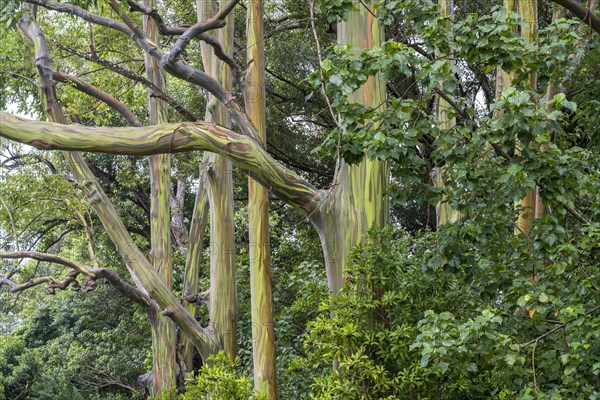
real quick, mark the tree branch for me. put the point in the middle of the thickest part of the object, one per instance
(140, 269)
(581, 12)
(92, 275)
(196, 30)
(177, 69)
(558, 327)
(101, 95)
(168, 138)
(83, 14)
(134, 77)
(34, 255)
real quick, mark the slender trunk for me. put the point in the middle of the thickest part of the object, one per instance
(263, 332)
(444, 213)
(163, 329)
(223, 294)
(530, 205)
(357, 200)
(193, 262)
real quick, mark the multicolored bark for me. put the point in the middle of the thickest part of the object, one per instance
(193, 261)
(164, 338)
(146, 278)
(531, 205)
(357, 201)
(245, 152)
(263, 332)
(223, 291)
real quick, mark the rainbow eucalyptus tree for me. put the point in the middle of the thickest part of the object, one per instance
(355, 202)
(342, 214)
(261, 292)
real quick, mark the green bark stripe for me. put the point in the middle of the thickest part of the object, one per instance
(223, 291)
(164, 339)
(140, 269)
(193, 263)
(263, 334)
(358, 201)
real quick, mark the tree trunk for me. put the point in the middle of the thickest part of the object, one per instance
(263, 332)
(163, 329)
(142, 272)
(223, 294)
(357, 201)
(444, 213)
(193, 261)
(530, 205)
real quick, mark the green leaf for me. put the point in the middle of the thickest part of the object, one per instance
(326, 65)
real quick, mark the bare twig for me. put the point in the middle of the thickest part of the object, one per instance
(558, 327)
(101, 95)
(133, 76)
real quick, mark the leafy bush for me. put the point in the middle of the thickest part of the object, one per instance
(219, 379)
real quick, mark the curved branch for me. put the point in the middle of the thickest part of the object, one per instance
(101, 95)
(168, 138)
(141, 270)
(127, 73)
(111, 276)
(581, 12)
(177, 69)
(34, 255)
(83, 14)
(196, 30)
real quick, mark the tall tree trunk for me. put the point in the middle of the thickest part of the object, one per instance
(263, 332)
(223, 293)
(356, 201)
(531, 205)
(193, 262)
(444, 213)
(163, 329)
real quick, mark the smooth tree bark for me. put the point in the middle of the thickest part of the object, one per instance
(342, 214)
(356, 201)
(223, 289)
(530, 206)
(193, 261)
(164, 337)
(263, 324)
